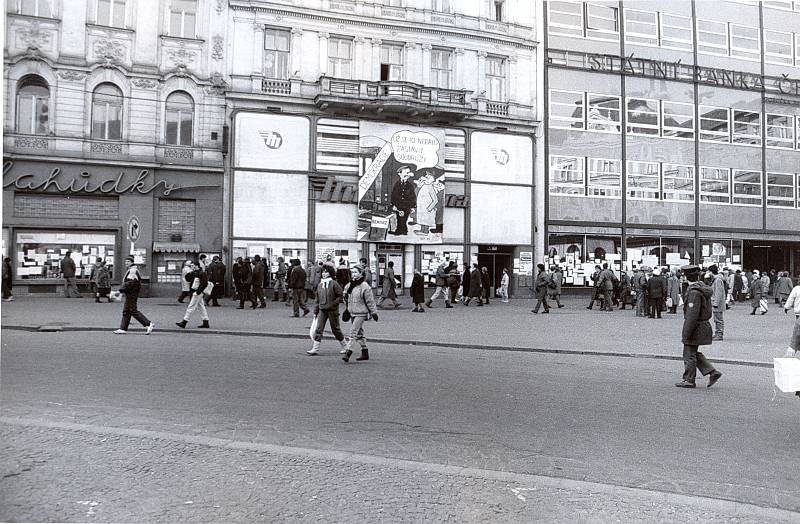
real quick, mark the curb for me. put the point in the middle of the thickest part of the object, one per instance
(455, 345)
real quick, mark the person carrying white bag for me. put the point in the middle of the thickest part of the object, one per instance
(787, 370)
(200, 286)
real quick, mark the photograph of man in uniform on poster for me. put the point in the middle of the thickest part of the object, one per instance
(401, 187)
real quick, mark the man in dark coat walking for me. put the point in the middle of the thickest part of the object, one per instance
(259, 272)
(475, 287)
(656, 290)
(540, 287)
(245, 282)
(297, 283)
(216, 275)
(696, 330)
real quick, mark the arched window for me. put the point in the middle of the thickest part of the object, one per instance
(107, 112)
(180, 111)
(33, 101)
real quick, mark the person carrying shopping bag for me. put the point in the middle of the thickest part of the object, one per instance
(326, 309)
(359, 306)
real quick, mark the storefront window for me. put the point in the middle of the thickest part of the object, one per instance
(658, 251)
(723, 252)
(577, 255)
(271, 250)
(432, 259)
(39, 253)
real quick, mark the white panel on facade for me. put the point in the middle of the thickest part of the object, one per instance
(336, 221)
(272, 142)
(500, 214)
(270, 205)
(498, 157)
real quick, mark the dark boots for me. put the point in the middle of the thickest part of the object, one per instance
(275, 296)
(204, 325)
(447, 304)
(364, 354)
(181, 324)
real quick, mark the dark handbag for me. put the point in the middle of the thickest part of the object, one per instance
(346, 315)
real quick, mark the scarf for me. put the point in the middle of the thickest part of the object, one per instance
(355, 284)
(325, 282)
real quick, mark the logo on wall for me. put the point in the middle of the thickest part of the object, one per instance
(272, 139)
(501, 156)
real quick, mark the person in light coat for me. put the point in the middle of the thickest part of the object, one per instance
(326, 309)
(554, 289)
(389, 284)
(504, 281)
(186, 290)
(783, 288)
(673, 291)
(756, 292)
(427, 202)
(360, 303)
(793, 302)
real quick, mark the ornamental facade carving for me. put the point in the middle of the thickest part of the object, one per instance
(217, 49)
(33, 36)
(109, 50)
(144, 83)
(180, 56)
(71, 76)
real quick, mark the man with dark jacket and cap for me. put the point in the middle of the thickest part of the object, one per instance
(696, 329)
(403, 199)
(245, 283)
(718, 300)
(297, 283)
(259, 273)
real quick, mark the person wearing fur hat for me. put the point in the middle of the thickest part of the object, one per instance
(360, 303)
(185, 290)
(696, 330)
(131, 286)
(326, 309)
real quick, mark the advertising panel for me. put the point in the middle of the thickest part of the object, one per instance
(501, 157)
(401, 191)
(269, 141)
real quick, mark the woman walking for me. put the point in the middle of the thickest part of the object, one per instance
(361, 305)
(388, 290)
(102, 281)
(756, 292)
(418, 292)
(504, 286)
(326, 308)
(474, 286)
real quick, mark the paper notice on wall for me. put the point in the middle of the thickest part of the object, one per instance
(63, 251)
(650, 260)
(674, 259)
(736, 259)
(706, 250)
(162, 269)
(255, 250)
(172, 266)
(76, 257)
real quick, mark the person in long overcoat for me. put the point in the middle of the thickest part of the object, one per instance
(486, 284)
(540, 287)
(475, 288)
(102, 281)
(673, 291)
(783, 287)
(625, 295)
(465, 283)
(697, 330)
(418, 292)
(656, 290)
(245, 283)
(8, 280)
(388, 289)
(216, 274)
(756, 292)
(556, 276)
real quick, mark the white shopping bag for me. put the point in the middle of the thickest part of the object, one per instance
(787, 374)
(209, 288)
(763, 305)
(313, 328)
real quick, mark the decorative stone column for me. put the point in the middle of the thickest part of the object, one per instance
(458, 74)
(296, 50)
(426, 64)
(482, 88)
(258, 48)
(375, 69)
(361, 70)
(323, 53)
(510, 80)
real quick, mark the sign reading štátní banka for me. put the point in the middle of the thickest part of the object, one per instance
(401, 191)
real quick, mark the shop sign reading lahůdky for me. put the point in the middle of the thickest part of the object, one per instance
(346, 193)
(83, 183)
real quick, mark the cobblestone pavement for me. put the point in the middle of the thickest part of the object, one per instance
(73, 473)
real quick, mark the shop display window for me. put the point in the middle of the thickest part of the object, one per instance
(658, 251)
(39, 253)
(169, 266)
(723, 252)
(271, 250)
(577, 255)
(431, 260)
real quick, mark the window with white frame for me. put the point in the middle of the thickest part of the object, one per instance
(276, 53)
(780, 131)
(605, 178)
(746, 187)
(715, 185)
(110, 13)
(797, 132)
(567, 175)
(33, 101)
(42, 8)
(797, 49)
(340, 57)
(182, 18)
(746, 127)
(712, 37)
(745, 42)
(780, 190)
(393, 3)
(496, 78)
(179, 118)
(715, 124)
(565, 18)
(391, 62)
(677, 182)
(494, 10)
(643, 116)
(442, 68)
(107, 112)
(641, 27)
(442, 6)
(566, 109)
(676, 31)
(798, 190)
(602, 21)
(604, 113)
(643, 180)
(677, 120)
(783, 4)
(778, 47)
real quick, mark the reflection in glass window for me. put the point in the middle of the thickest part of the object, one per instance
(677, 120)
(780, 131)
(567, 175)
(566, 109)
(276, 53)
(780, 190)
(778, 47)
(745, 42)
(605, 178)
(712, 37)
(565, 18)
(495, 78)
(33, 100)
(676, 31)
(714, 124)
(715, 185)
(643, 180)
(441, 67)
(747, 187)
(180, 111)
(746, 127)
(107, 112)
(340, 57)
(604, 113)
(641, 27)
(678, 182)
(602, 21)
(643, 116)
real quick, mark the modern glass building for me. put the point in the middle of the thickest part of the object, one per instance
(673, 133)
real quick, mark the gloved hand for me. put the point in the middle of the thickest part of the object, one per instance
(316, 311)
(375, 317)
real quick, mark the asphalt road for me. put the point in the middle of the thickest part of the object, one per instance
(609, 422)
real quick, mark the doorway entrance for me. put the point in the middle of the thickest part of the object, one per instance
(495, 258)
(766, 255)
(388, 253)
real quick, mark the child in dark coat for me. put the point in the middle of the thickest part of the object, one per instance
(418, 292)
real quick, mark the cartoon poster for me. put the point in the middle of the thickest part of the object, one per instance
(401, 191)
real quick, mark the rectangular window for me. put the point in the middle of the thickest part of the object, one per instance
(676, 31)
(780, 131)
(604, 113)
(566, 109)
(276, 53)
(35, 8)
(746, 187)
(182, 18)
(643, 116)
(442, 6)
(715, 185)
(441, 68)
(746, 127)
(678, 182)
(567, 175)
(565, 18)
(340, 57)
(602, 22)
(641, 27)
(712, 37)
(778, 47)
(605, 178)
(780, 190)
(677, 120)
(391, 62)
(496, 78)
(111, 13)
(715, 124)
(643, 181)
(745, 42)
(494, 9)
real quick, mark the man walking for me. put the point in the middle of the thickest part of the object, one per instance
(442, 289)
(131, 286)
(540, 287)
(389, 284)
(259, 270)
(554, 286)
(198, 280)
(718, 300)
(656, 289)
(245, 283)
(606, 280)
(297, 283)
(696, 330)
(216, 275)
(68, 272)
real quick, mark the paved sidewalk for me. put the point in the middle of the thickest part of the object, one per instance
(751, 339)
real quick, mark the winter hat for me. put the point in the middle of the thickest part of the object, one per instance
(657, 271)
(130, 257)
